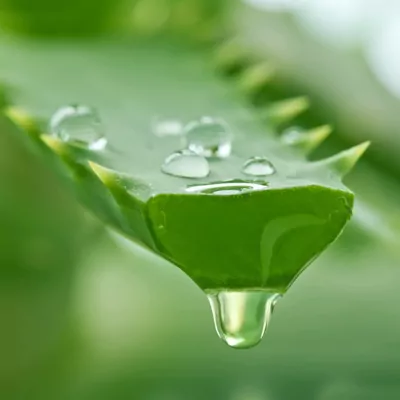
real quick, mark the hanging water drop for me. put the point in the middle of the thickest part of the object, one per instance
(224, 188)
(241, 317)
(209, 137)
(258, 166)
(78, 124)
(186, 164)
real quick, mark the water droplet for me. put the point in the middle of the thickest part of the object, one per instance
(209, 137)
(79, 124)
(292, 135)
(227, 187)
(187, 164)
(167, 127)
(241, 317)
(258, 166)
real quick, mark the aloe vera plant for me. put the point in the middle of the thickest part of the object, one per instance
(229, 231)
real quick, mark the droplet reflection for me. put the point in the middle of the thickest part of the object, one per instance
(226, 187)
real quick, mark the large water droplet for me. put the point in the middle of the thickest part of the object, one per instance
(186, 164)
(79, 124)
(258, 166)
(241, 317)
(226, 187)
(209, 137)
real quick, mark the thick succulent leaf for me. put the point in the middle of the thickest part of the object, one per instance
(263, 239)
(249, 240)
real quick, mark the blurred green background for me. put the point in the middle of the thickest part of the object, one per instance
(85, 314)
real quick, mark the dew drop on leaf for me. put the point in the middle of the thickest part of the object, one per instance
(167, 127)
(241, 317)
(292, 135)
(78, 124)
(258, 166)
(232, 187)
(209, 137)
(186, 164)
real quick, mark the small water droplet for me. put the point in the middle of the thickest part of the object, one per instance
(292, 135)
(209, 137)
(241, 317)
(227, 187)
(258, 166)
(167, 127)
(80, 124)
(186, 164)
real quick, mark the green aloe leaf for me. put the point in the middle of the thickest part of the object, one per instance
(245, 240)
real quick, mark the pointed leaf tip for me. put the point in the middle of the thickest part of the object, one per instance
(229, 55)
(256, 76)
(23, 119)
(306, 140)
(285, 110)
(121, 183)
(54, 143)
(343, 162)
(319, 134)
(104, 174)
(109, 177)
